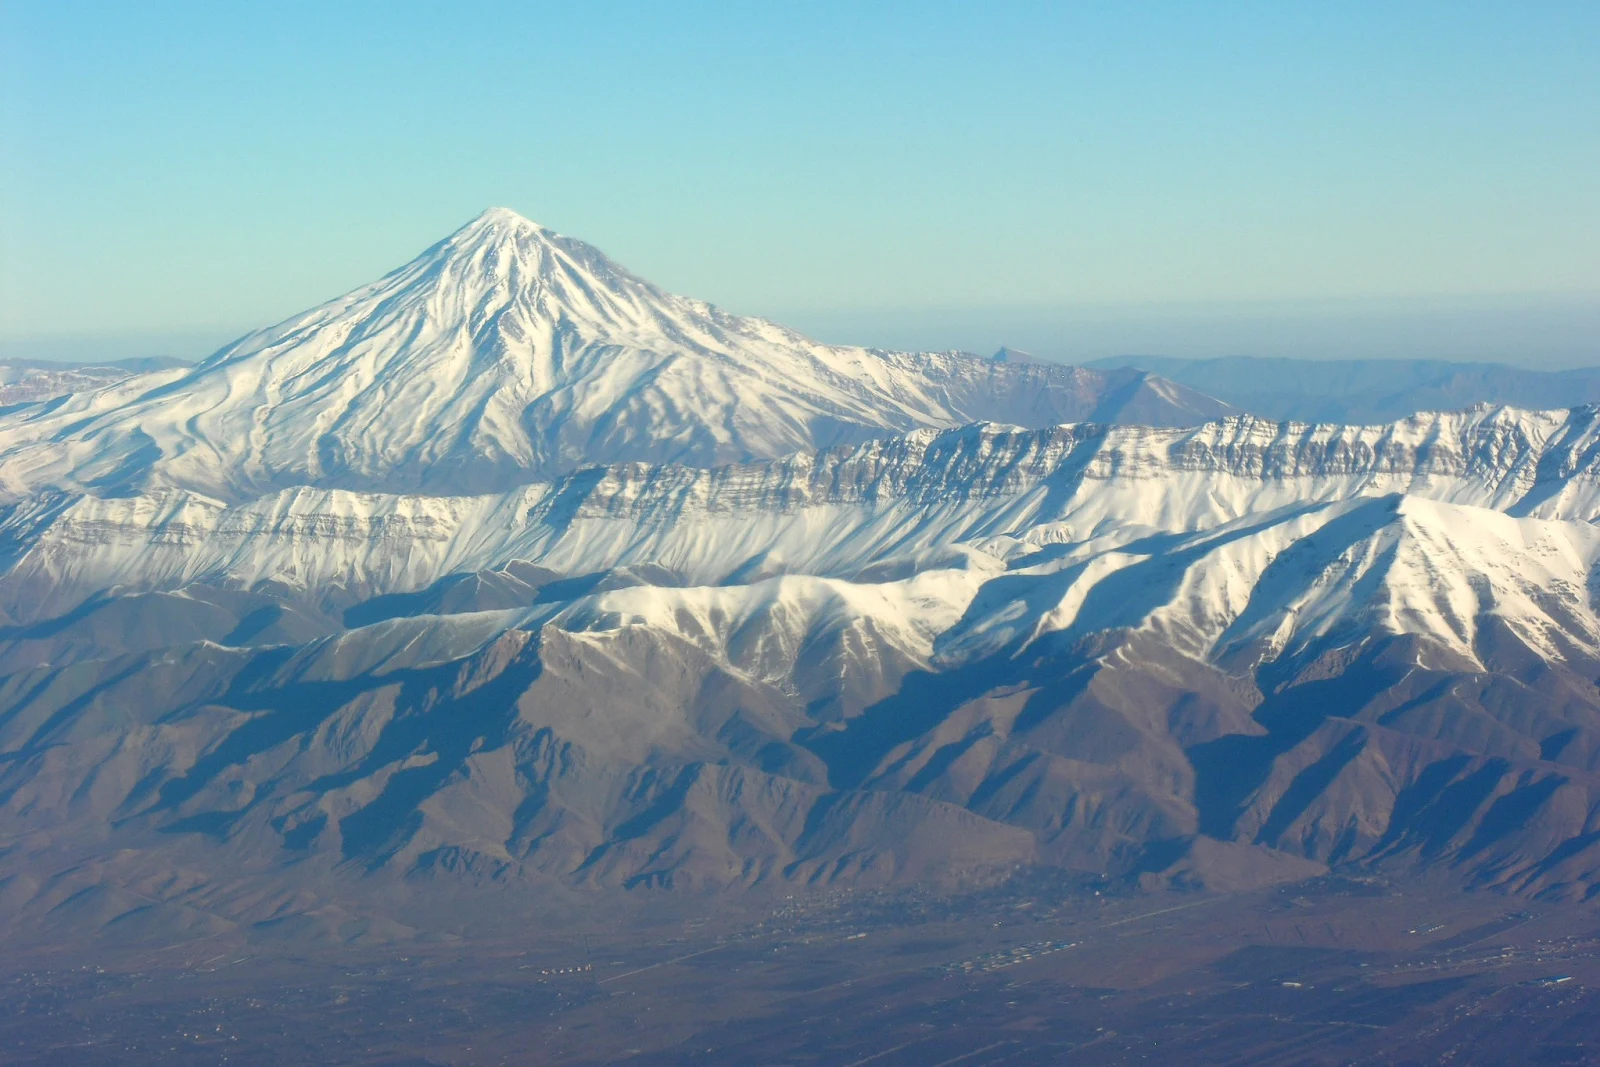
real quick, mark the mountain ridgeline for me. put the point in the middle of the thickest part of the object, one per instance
(513, 570)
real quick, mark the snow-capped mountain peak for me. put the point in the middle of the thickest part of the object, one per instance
(507, 353)
(501, 220)
(500, 278)
(565, 278)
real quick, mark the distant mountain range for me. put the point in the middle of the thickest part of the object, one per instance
(512, 572)
(1367, 391)
(35, 380)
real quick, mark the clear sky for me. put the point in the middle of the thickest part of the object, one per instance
(1282, 177)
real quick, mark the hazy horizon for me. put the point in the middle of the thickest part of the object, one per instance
(1245, 179)
(1534, 331)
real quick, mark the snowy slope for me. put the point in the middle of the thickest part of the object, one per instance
(1298, 581)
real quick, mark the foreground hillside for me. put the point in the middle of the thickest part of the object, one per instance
(1224, 656)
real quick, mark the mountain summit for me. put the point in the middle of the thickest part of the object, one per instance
(508, 353)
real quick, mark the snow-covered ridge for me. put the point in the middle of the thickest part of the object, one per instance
(1498, 455)
(826, 513)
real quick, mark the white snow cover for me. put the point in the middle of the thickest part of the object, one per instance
(828, 513)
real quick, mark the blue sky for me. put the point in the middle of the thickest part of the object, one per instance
(1285, 178)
